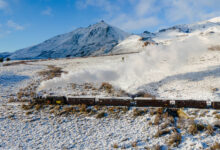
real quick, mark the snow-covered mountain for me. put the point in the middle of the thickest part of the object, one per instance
(96, 39)
(4, 55)
(137, 43)
(188, 28)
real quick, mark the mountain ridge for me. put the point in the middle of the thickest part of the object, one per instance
(80, 42)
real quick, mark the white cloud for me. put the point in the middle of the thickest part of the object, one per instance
(47, 12)
(13, 25)
(133, 15)
(145, 7)
(105, 5)
(190, 10)
(3, 5)
(130, 23)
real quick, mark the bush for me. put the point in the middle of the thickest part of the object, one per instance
(115, 146)
(175, 139)
(100, 115)
(193, 129)
(138, 112)
(134, 144)
(1, 59)
(8, 59)
(162, 132)
(210, 129)
(107, 87)
(216, 146)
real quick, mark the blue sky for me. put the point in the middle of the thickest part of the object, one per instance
(24, 23)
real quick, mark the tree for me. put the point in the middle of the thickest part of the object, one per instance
(1, 59)
(8, 59)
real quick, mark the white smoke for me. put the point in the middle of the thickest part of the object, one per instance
(138, 68)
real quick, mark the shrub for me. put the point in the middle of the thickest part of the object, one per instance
(193, 129)
(160, 111)
(82, 108)
(175, 139)
(210, 129)
(38, 107)
(107, 87)
(111, 109)
(97, 107)
(137, 112)
(29, 112)
(115, 145)
(100, 115)
(200, 127)
(162, 132)
(216, 146)
(27, 107)
(134, 144)
(217, 116)
(158, 147)
(125, 109)
(157, 120)
(20, 94)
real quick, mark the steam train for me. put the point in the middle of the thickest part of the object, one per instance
(128, 101)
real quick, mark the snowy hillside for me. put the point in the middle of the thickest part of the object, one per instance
(135, 43)
(99, 37)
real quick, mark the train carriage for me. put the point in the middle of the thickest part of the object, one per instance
(215, 104)
(81, 100)
(190, 104)
(143, 102)
(113, 101)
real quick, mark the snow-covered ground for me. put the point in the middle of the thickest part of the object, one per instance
(41, 129)
(180, 65)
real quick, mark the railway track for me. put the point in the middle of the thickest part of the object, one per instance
(127, 101)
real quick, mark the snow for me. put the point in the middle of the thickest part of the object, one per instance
(181, 66)
(215, 20)
(131, 44)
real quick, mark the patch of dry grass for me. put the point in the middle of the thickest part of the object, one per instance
(15, 63)
(101, 115)
(134, 144)
(51, 72)
(217, 116)
(115, 145)
(193, 129)
(214, 48)
(175, 139)
(210, 129)
(138, 112)
(162, 132)
(107, 87)
(215, 146)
